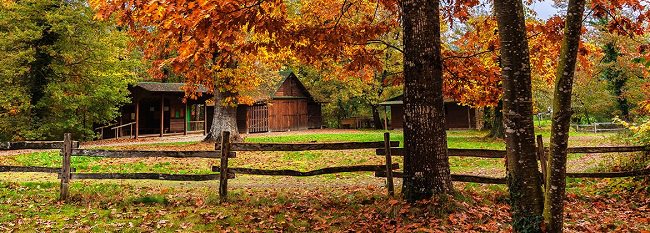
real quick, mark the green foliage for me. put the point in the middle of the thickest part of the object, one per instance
(64, 71)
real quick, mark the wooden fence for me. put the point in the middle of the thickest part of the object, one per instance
(226, 150)
(227, 147)
(541, 155)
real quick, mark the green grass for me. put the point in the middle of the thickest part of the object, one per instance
(456, 139)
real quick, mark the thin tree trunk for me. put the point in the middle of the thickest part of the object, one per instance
(496, 121)
(556, 178)
(376, 118)
(426, 164)
(225, 119)
(526, 197)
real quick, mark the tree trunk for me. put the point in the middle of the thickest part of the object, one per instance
(426, 164)
(376, 118)
(556, 178)
(523, 176)
(225, 119)
(496, 121)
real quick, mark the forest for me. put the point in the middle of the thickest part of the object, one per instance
(531, 78)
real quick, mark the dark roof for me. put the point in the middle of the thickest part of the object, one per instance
(166, 87)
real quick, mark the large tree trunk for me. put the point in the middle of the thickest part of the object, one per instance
(556, 178)
(225, 119)
(426, 165)
(526, 197)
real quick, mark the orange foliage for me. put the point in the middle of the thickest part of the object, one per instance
(217, 42)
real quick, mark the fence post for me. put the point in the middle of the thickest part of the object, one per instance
(223, 173)
(65, 169)
(389, 165)
(541, 155)
(595, 127)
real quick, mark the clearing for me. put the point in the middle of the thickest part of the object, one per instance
(340, 202)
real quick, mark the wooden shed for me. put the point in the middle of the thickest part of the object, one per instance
(456, 116)
(284, 107)
(157, 109)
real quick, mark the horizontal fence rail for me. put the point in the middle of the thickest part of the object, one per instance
(30, 169)
(308, 146)
(606, 149)
(148, 154)
(456, 177)
(35, 145)
(146, 176)
(502, 180)
(328, 170)
(481, 153)
(486, 153)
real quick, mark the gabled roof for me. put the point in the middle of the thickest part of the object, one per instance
(268, 93)
(166, 87)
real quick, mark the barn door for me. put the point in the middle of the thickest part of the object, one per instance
(258, 119)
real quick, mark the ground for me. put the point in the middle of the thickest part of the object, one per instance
(341, 202)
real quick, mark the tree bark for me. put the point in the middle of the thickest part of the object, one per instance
(426, 164)
(526, 198)
(225, 119)
(556, 178)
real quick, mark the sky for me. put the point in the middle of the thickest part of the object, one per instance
(544, 9)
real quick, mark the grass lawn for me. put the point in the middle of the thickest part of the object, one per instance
(323, 203)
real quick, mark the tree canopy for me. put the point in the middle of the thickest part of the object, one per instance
(63, 70)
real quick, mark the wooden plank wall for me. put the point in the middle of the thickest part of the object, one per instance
(288, 115)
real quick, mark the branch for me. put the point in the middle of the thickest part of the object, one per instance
(389, 45)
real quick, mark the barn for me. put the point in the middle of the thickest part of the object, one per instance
(286, 106)
(157, 109)
(456, 116)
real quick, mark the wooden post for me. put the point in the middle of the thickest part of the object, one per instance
(205, 119)
(541, 155)
(65, 168)
(137, 118)
(385, 117)
(162, 115)
(389, 167)
(595, 127)
(223, 173)
(185, 119)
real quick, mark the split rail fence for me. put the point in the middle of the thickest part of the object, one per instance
(226, 150)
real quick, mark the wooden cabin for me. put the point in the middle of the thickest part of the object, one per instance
(286, 106)
(158, 110)
(456, 116)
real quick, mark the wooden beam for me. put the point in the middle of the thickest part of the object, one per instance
(137, 118)
(147, 154)
(65, 168)
(162, 115)
(389, 163)
(480, 153)
(185, 119)
(147, 176)
(35, 145)
(205, 119)
(643, 172)
(456, 177)
(308, 146)
(32, 169)
(223, 171)
(606, 149)
(328, 170)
